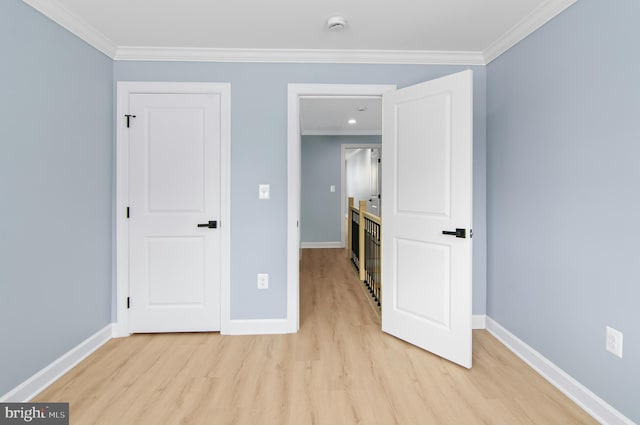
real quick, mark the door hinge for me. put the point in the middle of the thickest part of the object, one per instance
(129, 116)
(470, 233)
(128, 302)
(379, 160)
(128, 212)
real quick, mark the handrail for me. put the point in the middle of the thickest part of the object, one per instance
(373, 217)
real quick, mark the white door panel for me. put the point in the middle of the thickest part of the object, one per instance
(425, 265)
(162, 254)
(421, 189)
(166, 188)
(174, 185)
(426, 275)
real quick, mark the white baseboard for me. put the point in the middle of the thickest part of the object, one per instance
(479, 321)
(41, 380)
(581, 395)
(305, 245)
(257, 327)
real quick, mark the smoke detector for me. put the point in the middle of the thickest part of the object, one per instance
(336, 23)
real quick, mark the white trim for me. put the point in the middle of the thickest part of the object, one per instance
(479, 321)
(124, 89)
(192, 54)
(314, 245)
(295, 91)
(343, 183)
(529, 24)
(58, 13)
(122, 225)
(55, 11)
(581, 395)
(51, 373)
(257, 327)
(341, 133)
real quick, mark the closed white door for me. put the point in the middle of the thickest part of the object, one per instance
(427, 186)
(174, 202)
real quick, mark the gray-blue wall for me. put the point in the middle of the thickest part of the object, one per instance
(563, 188)
(320, 167)
(259, 155)
(56, 162)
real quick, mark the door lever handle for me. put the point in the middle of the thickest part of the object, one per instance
(211, 224)
(459, 233)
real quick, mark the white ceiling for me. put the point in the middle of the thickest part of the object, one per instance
(330, 116)
(460, 25)
(401, 31)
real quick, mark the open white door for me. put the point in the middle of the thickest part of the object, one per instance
(426, 275)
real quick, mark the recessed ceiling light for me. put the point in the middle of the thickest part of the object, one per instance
(352, 121)
(336, 23)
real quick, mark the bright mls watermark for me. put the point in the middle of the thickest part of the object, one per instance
(34, 413)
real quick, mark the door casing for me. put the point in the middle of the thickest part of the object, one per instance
(124, 89)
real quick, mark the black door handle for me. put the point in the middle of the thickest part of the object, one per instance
(211, 224)
(459, 233)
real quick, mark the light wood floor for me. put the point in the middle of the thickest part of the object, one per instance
(340, 369)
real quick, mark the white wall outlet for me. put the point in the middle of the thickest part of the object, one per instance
(332, 188)
(614, 341)
(263, 281)
(264, 191)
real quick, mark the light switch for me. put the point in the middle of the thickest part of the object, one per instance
(263, 191)
(263, 281)
(332, 188)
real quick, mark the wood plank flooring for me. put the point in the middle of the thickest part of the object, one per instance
(340, 369)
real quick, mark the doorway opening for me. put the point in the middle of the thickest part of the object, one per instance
(298, 94)
(341, 141)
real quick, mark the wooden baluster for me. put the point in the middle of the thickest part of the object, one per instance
(363, 208)
(349, 227)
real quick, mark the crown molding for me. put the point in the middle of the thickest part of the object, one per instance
(62, 16)
(537, 18)
(187, 54)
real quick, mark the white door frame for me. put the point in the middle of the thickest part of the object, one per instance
(343, 183)
(124, 89)
(295, 91)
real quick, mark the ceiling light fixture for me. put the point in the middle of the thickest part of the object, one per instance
(361, 108)
(336, 23)
(352, 121)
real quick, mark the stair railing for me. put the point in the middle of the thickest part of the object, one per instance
(364, 235)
